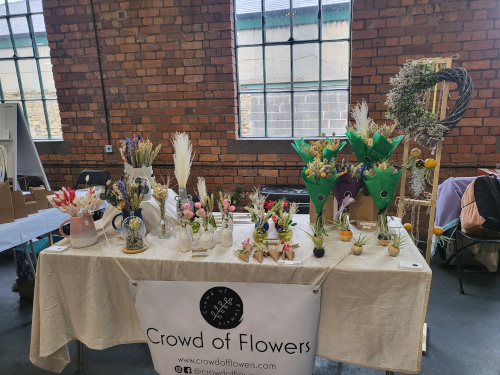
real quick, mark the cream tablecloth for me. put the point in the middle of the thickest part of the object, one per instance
(372, 312)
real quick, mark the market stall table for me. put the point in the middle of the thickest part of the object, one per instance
(372, 312)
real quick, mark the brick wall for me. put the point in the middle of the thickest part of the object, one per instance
(169, 66)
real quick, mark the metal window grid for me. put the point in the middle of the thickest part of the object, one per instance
(291, 42)
(16, 58)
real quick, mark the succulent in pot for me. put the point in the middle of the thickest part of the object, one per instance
(345, 229)
(318, 237)
(397, 242)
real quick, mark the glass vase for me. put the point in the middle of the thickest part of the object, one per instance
(165, 228)
(134, 234)
(259, 234)
(285, 233)
(195, 225)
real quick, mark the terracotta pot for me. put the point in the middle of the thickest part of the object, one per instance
(82, 231)
(393, 251)
(356, 250)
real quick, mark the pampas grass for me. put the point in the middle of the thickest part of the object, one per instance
(183, 158)
(202, 191)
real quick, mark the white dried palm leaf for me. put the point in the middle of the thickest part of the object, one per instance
(360, 115)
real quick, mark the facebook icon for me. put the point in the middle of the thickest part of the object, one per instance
(187, 370)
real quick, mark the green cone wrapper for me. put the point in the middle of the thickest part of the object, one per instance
(306, 158)
(382, 186)
(382, 149)
(319, 190)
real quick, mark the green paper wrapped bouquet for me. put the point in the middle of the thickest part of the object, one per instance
(325, 149)
(370, 142)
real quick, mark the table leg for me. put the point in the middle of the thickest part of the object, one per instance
(51, 240)
(33, 252)
(79, 356)
(30, 262)
(389, 373)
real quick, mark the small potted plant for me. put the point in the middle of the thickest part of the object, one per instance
(345, 229)
(357, 246)
(318, 238)
(397, 241)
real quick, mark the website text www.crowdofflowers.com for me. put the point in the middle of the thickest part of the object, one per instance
(230, 367)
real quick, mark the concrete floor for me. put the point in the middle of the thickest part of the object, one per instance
(463, 338)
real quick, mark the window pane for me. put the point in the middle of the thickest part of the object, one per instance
(5, 42)
(250, 68)
(8, 78)
(248, 22)
(278, 67)
(335, 69)
(29, 79)
(336, 15)
(305, 19)
(35, 5)
(22, 37)
(252, 115)
(40, 34)
(279, 119)
(16, 6)
(36, 119)
(334, 108)
(48, 78)
(54, 118)
(277, 14)
(306, 114)
(306, 65)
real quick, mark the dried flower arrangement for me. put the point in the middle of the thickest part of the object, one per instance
(325, 148)
(125, 194)
(285, 216)
(187, 215)
(134, 238)
(67, 201)
(406, 102)
(256, 210)
(370, 142)
(205, 207)
(381, 181)
(225, 206)
(160, 193)
(138, 152)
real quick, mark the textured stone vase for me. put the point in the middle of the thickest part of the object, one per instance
(226, 235)
(82, 229)
(207, 239)
(185, 240)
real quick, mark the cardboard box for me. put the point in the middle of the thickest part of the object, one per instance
(38, 192)
(329, 210)
(363, 209)
(31, 207)
(6, 209)
(19, 204)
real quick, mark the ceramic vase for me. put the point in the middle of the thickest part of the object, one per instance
(185, 240)
(393, 251)
(82, 229)
(207, 239)
(356, 250)
(195, 226)
(226, 235)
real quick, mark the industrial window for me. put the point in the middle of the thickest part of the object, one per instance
(292, 67)
(25, 67)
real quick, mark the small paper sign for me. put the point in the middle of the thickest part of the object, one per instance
(290, 262)
(56, 248)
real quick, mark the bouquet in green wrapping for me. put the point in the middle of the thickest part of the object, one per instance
(370, 142)
(325, 149)
(319, 178)
(381, 181)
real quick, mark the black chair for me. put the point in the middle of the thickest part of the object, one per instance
(95, 178)
(475, 240)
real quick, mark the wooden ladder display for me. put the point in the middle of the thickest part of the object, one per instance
(436, 63)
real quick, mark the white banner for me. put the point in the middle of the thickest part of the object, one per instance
(224, 328)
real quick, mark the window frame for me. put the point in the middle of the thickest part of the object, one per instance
(16, 58)
(291, 42)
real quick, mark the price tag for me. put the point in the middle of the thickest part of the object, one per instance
(56, 248)
(290, 262)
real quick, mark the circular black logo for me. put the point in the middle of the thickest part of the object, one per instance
(321, 197)
(347, 194)
(222, 308)
(368, 159)
(384, 194)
